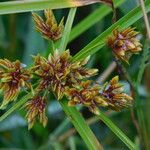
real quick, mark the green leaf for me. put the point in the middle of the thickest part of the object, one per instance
(100, 41)
(34, 5)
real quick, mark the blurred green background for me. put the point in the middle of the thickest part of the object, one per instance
(19, 40)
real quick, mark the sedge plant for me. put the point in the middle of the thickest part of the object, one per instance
(66, 76)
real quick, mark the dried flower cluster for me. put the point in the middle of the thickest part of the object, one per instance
(124, 43)
(112, 93)
(59, 75)
(109, 95)
(49, 28)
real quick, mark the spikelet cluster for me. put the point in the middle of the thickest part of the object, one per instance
(49, 28)
(36, 110)
(112, 93)
(13, 78)
(124, 43)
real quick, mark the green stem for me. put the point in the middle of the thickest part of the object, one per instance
(116, 131)
(81, 126)
(140, 112)
(72, 143)
(67, 29)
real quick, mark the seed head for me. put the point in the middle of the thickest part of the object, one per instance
(49, 28)
(124, 43)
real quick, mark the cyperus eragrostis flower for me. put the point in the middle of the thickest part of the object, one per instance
(13, 78)
(36, 110)
(49, 28)
(112, 93)
(58, 72)
(124, 43)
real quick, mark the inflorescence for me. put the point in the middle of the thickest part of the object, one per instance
(60, 76)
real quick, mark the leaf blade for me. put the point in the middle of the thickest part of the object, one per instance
(35, 5)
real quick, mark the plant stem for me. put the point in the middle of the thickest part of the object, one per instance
(102, 78)
(140, 112)
(72, 113)
(145, 18)
(67, 30)
(81, 126)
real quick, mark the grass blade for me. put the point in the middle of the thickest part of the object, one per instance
(34, 5)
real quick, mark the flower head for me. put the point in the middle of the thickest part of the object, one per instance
(58, 72)
(49, 28)
(13, 78)
(36, 110)
(112, 93)
(124, 43)
(86, 95)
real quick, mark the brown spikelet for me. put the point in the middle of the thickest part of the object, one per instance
(48, 28)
